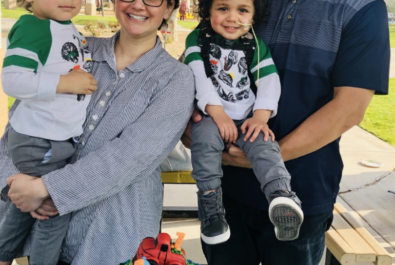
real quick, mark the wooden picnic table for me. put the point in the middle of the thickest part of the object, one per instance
(363, 230)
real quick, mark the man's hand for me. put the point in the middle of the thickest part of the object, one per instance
(234, 156)
(186, 137)
(225, 124)
(46, 210)
(27, 192)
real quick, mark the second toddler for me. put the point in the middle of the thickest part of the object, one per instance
(238, 90)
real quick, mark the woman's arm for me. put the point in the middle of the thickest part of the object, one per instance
(320, 129)
(134, 155)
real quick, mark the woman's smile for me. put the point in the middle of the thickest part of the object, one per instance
(138, 18)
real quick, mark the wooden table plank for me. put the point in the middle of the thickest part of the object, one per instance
(363, 251)
(356, 222)
(376, 206)
(339, 248)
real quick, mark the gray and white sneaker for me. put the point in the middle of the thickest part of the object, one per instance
(213, 229)
(286, 214)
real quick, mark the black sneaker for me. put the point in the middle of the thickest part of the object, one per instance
(286, 214)
(213, 229)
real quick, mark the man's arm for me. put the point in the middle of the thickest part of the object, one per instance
(320, 129)
(328, 123)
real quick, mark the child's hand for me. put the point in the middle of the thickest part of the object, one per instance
(226, 125)
(77, 82)
(255, 125)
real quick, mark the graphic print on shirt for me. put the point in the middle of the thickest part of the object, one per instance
(70, 52)
(243, 94)
(215, 81)
(244, 81)
(226, 78)
(230, 60)
(229, 68)
(83, 46)
(242, 66)
(214, 66)
(228, 97)
(215, 51)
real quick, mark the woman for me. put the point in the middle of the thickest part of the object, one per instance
(135, 118)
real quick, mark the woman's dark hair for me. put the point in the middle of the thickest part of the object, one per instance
(262, 12)
(176, 5)
(28, 6)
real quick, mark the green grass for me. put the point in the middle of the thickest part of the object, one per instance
(392, 36)
(10, 102)
(188, 24)
(82, 20)
(78, 20)
(19, 11)
(379, 117)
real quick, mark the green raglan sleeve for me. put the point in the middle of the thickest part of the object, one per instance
(29, 43)
(262, 60)
(192, 49)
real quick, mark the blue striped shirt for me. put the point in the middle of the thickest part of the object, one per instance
(317, 45)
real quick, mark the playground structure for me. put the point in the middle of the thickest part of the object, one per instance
(188, 15)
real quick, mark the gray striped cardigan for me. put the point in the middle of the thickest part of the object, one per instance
(113, 185)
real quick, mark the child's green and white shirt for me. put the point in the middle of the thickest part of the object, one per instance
(38, 53)
(230, 84)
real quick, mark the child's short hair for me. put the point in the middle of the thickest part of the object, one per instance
(261, 15)
(27, 5)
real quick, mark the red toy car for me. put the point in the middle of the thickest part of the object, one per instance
(159, 251)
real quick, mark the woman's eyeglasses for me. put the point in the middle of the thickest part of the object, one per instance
(153, 3)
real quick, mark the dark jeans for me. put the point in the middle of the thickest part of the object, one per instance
(253, 241)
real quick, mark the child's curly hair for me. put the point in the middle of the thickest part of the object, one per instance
(27, 5)
(261, 15)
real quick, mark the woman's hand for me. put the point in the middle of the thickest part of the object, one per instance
(186, 137)
(46, 210)
(27, 192)
(234, 156)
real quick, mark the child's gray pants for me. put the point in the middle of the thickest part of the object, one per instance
(31, 156)
(265, 157)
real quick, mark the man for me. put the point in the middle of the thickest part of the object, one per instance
(332, 56)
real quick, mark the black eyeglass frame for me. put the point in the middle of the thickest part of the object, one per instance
(131, 1)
